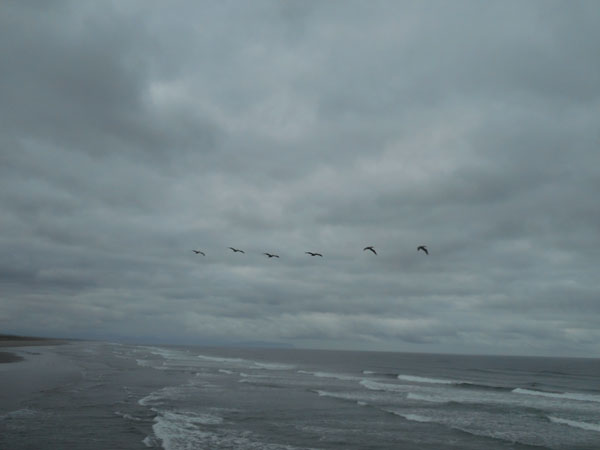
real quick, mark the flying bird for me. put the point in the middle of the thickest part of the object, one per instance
(235, 250)
(424, 248)
(313, 254)
(270, 255)
(370, 248)
(198, 252)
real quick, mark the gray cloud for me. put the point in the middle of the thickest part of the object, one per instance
(131, 133)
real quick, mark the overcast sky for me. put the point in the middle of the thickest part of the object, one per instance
(132, 132)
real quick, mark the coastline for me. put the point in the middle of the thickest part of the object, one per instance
(7, 340)
(10, 340)
(8, 357)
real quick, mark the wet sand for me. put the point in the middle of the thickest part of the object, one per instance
(7, 357)
(22, 341)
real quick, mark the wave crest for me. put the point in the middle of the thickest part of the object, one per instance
(560, 395)
(576, 424)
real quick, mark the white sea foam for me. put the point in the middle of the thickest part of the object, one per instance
(239, 362)
(186, 430)
(338, 376)
(411, 417)
(574, 423)
(273, 366)
(330, 394)
(252, 378)
(416, 379)
(260, 381)
(376, 386)
(228, 372)
(560, 395)
(360, 398)
(128, 416)
(179, 431)
(368, 372)
(167, 353)
(425, 398)
(144, 363)
(150, 442)
(159, 365)
(166, 393)
(224, 360)
(170, 359)
(252, 375)
(193, 417)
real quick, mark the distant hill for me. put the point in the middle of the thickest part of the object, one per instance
(12, 337)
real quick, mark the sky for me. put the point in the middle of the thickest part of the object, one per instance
(132, 132)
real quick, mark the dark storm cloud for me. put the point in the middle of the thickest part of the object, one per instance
(131, 133)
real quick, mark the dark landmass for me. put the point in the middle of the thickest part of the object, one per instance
(12, 337)
(10, 340)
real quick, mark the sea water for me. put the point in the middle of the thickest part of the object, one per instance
(183, 398)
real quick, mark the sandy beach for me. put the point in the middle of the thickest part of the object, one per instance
(7, 340)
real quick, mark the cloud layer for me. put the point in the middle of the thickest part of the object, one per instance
(131, 133)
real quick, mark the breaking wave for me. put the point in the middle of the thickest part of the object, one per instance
(337, 376)
(576, 424)
(560, 395)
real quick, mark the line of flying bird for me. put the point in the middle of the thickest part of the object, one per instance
(273, 255)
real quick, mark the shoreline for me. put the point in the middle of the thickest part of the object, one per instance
(32, 342)
(10, 341)
(9, 357)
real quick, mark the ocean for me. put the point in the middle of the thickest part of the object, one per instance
(114, 396)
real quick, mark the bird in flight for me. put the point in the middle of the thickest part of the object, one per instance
(271, 255)
(370, 248)
(236, 250)
(198, 252)
(313, 254)
(424, 248)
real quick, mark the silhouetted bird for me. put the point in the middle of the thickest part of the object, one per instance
(270, 255)
(424, 248)
(313, 254)
(235, 250)
(370, 248)
(198, 252)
